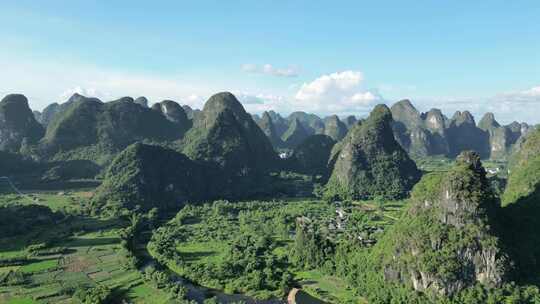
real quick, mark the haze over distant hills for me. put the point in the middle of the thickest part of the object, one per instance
(420, 134)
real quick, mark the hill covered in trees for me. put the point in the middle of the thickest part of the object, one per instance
(370, 163)
(93, 130)
(446, 241)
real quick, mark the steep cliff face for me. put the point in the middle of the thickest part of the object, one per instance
(335, 128)
(445, 243)
(280, 124)
(437, 123)
(370, 163)
(420, 134)
(312, 123)
(350, 121)
(431, 133)
(295, 135)
(267, 126)
(403, 112)
(174, 113)
(18, 125)
(501, 138)
(463, 135)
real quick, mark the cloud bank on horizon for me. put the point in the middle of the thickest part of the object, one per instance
(453, 56)
(339, 93)
(342, 93)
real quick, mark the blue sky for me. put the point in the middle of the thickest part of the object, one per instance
(320, 56)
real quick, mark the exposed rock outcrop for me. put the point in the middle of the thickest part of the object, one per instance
(334, 128)
(312, 123)
(267, 126)
(295, 135)
(445, 241)
(419, 134)
(174, 113)
(431, 133)
(350, 121)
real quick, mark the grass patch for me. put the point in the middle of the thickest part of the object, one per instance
(39, 266)
(328, 288)
(144, 294)
(21, 301)
(205, 252)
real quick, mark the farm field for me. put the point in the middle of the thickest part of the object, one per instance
(77, 251)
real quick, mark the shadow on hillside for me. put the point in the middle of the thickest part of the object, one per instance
(23, 226)
(89, 242)
(195, 256)
(520, 224)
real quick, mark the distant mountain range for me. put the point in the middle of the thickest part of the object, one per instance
(420, 134)
(88, 126)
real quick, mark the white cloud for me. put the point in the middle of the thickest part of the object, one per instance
(365, 98)
(339, 93)
(47, 82)
(268, 69)
(89, 92)
(258, 103)
(533, 92)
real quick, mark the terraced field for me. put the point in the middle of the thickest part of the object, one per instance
(80, 251)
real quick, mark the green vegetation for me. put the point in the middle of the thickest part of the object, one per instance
(236, 247)
(524, 175)
(261, 248)
(145, 176)
(228, 222)
(369, 163)
(312, 155)
(91, 130)
(48, 257)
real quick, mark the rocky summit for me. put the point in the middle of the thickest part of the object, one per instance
(370, 163)
(18, 125)
(432, 133)
(295, 134)
(335, 128)
(445, 242)
(174, 113)
(267, 126)
(312, 123)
